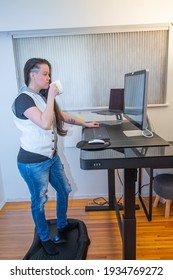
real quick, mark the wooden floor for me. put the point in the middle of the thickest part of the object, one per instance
(154, 239)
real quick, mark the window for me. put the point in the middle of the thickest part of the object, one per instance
(89, 65)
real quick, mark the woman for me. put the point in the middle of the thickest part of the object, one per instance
(40, 120)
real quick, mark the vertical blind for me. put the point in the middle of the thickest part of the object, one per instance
(89, 65)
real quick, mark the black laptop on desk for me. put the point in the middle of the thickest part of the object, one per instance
(116, 103)
(116, 106)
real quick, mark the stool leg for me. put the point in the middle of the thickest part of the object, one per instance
(156, 201)
(167, 208)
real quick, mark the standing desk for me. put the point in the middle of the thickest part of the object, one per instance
(130, 159)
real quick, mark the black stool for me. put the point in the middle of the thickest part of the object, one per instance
(163, 186)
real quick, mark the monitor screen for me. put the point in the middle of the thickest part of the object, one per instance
(135, 98)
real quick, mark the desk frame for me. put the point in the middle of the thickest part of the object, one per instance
(148, 212)
(130, 164)
(128, 223)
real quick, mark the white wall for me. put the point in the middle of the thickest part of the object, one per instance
(28, 15)
(38, 15)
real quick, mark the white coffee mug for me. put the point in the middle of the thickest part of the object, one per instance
(59, 86)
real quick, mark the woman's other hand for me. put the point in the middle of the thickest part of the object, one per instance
(92, 124)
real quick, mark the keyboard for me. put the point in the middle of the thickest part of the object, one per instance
(96, 133)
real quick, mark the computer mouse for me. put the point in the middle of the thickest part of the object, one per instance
(96, 141)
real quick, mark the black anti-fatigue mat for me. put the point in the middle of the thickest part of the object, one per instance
(75, 248)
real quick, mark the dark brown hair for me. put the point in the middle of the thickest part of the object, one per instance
(33, 65)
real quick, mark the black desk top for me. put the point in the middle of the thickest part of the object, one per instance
(133, 157)
(118, 138)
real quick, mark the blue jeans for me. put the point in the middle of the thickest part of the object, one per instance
(38, 176)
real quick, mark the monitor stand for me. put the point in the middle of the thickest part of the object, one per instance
(133, 133)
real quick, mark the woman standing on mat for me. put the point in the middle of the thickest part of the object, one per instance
(38, 117)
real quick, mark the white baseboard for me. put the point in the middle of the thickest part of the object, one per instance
(2, 203)
(71, 197)
(52, 197)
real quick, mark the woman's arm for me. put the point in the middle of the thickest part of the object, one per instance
(44, 119)
(77, 121)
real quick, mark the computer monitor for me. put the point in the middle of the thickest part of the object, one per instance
(135, 100)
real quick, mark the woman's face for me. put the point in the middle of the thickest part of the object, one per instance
(41, 78)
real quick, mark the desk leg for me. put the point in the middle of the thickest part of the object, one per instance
(148, 212)
(111, 188)
(111, 194)
(129, 219)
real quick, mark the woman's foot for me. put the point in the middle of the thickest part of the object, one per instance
(50, 247)
(59, 239)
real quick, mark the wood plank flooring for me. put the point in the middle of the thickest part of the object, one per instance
(154, 239)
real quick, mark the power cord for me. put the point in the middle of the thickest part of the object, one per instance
(147, 133)
(100, 201)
